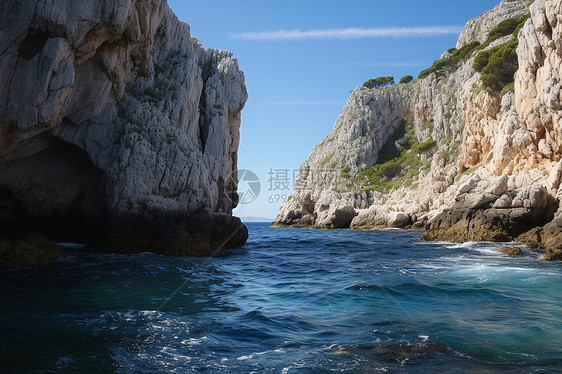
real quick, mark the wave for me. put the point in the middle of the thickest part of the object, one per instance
(374, 287)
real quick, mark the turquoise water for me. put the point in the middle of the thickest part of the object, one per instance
(290, 301)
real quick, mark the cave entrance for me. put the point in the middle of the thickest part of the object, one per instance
(52, 187)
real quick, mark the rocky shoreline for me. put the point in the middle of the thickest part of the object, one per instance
(461, 153)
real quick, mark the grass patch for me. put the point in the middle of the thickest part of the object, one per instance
(448, 139)
(451, 154)
(327, 159)
(428, 124)
(467, 172)
(327, 140)
(396, 168)
(477, 88)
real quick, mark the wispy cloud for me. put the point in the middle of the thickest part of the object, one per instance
(378, 64)
(303, 103)
(350, 33)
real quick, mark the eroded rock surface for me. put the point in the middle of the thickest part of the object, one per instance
(110, 109)
(445, 153)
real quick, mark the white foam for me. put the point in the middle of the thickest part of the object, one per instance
(249, 357)
(464, 245)
(489, 251)
(434, 243)
(424, 338)
(192, 341)
(434, 267)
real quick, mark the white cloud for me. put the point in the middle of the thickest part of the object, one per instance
(350, 33)
(304, 103)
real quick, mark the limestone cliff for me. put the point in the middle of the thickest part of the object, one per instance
(463, 151)
(116, 125)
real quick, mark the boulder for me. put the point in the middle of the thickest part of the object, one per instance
(378, 217)
(335, 217)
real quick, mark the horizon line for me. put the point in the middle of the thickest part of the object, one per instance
(348, 33)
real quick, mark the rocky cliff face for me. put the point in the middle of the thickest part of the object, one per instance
(448, 153)
(115, 123)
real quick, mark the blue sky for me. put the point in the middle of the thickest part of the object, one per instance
(298, 81)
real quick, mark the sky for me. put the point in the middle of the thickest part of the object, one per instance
(302, 58)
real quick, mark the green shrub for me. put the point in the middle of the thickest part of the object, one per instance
(465, 50)
(506, 27)
(425, 146)
(497, 65)
(391, 170)
(379, 82)
(521, 24)
(509, 26)
(451, 154)
(510, 87)
(457, 56)
(153, 94)
(159, 69)
(406, 79)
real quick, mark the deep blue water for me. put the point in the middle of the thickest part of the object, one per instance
(290, 301)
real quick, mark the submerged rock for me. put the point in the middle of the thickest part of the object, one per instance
(114, 116)
(547, 238)
(29, 251)
(510, 251)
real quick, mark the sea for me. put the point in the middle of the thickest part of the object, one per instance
(289, 301)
